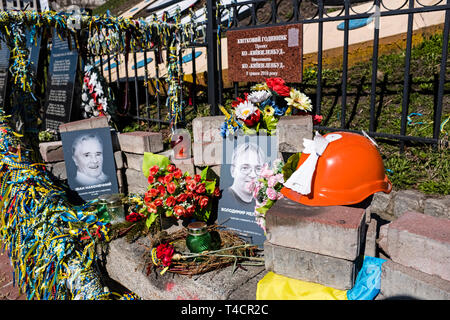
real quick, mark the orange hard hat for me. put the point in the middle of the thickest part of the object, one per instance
(349, 170)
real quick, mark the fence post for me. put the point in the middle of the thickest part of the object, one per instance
(211, 41)
(438, 111)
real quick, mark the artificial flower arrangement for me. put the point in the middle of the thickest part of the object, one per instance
(94, 101)
(173, 193)
(266, 190)
(263, 106)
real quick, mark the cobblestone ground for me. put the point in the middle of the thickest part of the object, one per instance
(7, 290)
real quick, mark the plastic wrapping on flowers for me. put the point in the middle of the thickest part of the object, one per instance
(173, 193)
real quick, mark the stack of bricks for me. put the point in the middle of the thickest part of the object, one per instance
(207, 142)
(418, 264)
(323, 245)
(133, 145)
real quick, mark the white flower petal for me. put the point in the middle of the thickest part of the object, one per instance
(259, 96)
(244, 110)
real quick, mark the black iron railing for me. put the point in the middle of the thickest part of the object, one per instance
(240, 15)
(344, 12)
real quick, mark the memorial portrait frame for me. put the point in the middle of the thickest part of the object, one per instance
(231, 212)
(89, 192)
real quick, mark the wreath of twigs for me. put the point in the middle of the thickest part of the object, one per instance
(232, 251)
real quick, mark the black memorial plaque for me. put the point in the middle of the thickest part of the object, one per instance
(62, 75)
(4, 66)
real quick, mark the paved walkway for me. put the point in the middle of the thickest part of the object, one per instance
(7, 290)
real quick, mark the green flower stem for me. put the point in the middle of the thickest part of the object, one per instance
(187, 256)
(233, 256)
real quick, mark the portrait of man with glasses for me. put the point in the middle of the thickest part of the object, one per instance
(243, 160)
(246, 165)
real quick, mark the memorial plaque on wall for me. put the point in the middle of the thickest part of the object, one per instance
(4, 66)
(61, 81)
(260, 53)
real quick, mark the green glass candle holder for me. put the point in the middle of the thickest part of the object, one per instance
(198, 238)
(102, 208)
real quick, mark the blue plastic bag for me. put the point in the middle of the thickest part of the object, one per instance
(368, 281)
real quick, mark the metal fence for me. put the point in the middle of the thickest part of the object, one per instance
(147, 102)
(139, 80)
(344, 12)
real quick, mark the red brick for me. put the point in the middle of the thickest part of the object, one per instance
(141, 141)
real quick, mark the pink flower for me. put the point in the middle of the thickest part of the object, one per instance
(250, 186)
(272, 181)
(280, 177)
(256, 190)
(271, 194)
(266, 173)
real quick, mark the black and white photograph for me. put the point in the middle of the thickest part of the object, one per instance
(243, 160)
(89, 159)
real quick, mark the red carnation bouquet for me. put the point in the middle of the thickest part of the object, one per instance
(174, 193)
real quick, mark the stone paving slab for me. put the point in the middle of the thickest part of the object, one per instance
(8, 291)
(140, 142)
(91, 123)
(125, 264)
(312, 267)
(334, 231)
(419, 241)
(400, 282)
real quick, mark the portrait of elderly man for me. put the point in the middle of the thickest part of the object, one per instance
(87, 154)
(246, 164)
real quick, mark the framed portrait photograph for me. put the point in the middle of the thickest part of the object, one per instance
(242, 160)
(89, 159)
